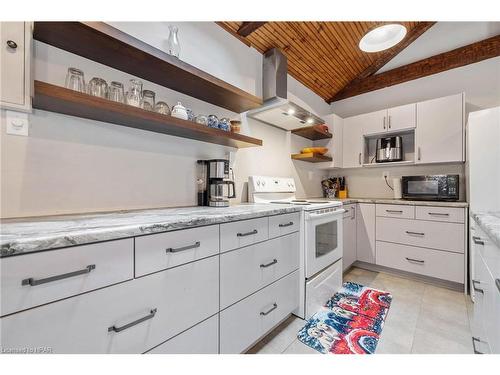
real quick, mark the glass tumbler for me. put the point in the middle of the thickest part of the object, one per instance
(75, 80)
(98, 87)
(115, 92)
(134, 94)
(148, 100)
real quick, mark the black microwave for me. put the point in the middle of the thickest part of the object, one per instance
(443, 187)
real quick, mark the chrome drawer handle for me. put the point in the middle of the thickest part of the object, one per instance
(264, 313)
(394, 211)
(32, 282)
(286, 225)
(269, 264)
(476, 289)
(176, 250)
(474, 339)
(497, 283)
(151, 315)
(477, 240)
(416, 233)
(247, 234)
(415, 260)
(438, 214)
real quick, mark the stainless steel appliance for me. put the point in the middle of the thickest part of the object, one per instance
(277, 109)
(321, 239)
(214, 186)
(434, 187)
(389, 149)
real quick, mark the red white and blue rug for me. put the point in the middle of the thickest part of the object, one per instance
(349, 323)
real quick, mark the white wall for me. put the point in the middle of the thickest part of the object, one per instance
(369, 182)
(70, 165)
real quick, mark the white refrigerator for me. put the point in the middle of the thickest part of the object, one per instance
(482, 167)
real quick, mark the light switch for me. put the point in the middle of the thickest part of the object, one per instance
(17, 123)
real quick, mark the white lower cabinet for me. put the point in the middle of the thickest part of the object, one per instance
(246, 270)
(131, 317)
(242, 324)
(349, 232)
(203, 338)
(434, 263)
(365, 238)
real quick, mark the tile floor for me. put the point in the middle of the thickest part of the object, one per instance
(423, 319)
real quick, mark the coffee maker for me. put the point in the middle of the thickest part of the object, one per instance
(214, 186)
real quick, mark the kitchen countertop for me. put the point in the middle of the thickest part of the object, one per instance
(489, 223)
(24, 235)
(401, 201)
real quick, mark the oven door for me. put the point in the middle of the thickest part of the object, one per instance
(323, 240)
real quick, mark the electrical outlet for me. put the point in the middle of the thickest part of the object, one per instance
(17, 123)
(385, 175)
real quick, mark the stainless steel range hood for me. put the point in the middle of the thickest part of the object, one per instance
(277, 110)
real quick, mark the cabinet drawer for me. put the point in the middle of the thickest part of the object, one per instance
(34, 279)
(434, 235)
(165, 250)
(395, 210)
(243, 233)
(182, 297)
(449, 214)
(251, 268)
(245, 322)
(203, 338)
(434, 263)
(280, 225)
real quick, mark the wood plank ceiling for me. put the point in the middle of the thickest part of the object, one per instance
(324, 56)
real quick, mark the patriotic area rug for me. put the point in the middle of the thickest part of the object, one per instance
(349, 323)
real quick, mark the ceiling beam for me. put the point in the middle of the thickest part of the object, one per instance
(456, 58)
(247, 28)
(389, 54)
(233, 33)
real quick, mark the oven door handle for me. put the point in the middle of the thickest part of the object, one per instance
(335, 213)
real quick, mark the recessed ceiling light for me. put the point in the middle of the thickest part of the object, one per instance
(383, 37)
(310, 120)
(291, 111)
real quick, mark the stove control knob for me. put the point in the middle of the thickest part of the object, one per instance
(258, 182)
(263, 183)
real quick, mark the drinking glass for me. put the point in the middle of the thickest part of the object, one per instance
(75, 80)
(134, 94)
(115, 92)
(162, 107)
(98, 87)
(148, 100)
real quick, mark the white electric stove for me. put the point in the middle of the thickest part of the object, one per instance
(321, 239)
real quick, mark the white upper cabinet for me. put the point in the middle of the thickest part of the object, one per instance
(403, 117)
(440, 131)
(15, 67)
(352, 148)
(374, 122)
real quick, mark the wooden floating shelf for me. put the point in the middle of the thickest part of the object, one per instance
(58, 99)
(311, 157)
(104, 44)
(312, 132)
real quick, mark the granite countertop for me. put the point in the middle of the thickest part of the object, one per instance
(400, 201)
(490, 224)
(26, 235)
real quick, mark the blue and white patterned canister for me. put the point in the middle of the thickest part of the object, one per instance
(190, 114)
(213, 121)
(225, 124)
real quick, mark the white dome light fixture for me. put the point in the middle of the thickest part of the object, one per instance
(382, 37)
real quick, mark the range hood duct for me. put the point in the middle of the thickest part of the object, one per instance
(277, 110)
